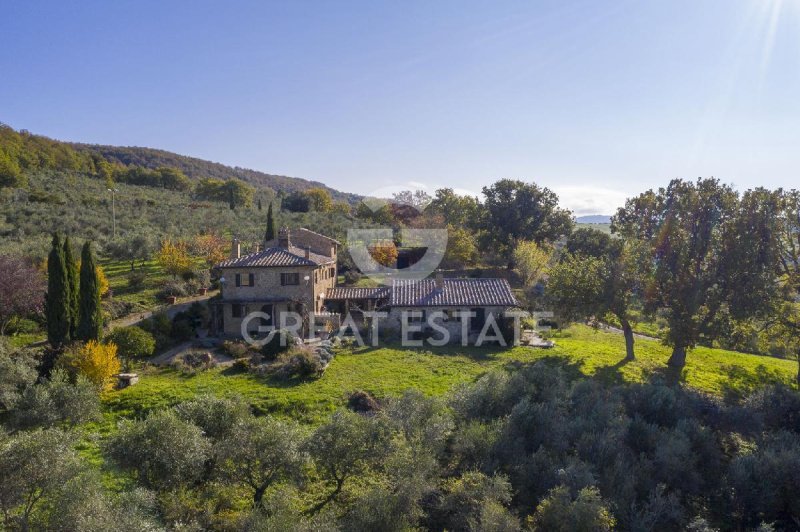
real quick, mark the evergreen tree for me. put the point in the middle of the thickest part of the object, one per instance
(74, 286)
(270, 234)
(90, 322)
(58, 297)
(259, 204)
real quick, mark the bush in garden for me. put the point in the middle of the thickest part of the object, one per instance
(300, 362)
(173, 288)
(279, 342)
(136, 280)
(235, 349)
(132, 342)
(97, 362)
(362, 402)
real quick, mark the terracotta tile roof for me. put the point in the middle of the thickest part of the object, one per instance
(276, 257)
(454, 292)
(349, 292)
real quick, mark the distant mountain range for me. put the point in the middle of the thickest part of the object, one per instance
(198, 168)
(594, 219)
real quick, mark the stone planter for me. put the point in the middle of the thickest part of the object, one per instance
(171, 300)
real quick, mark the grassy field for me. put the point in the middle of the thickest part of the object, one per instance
(388, 371)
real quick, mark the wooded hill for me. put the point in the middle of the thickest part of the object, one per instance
(199, 168)
(22, 152)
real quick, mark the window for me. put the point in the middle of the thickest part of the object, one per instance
(251, 279)
(236, 310)
(332, 272)
(290, 279)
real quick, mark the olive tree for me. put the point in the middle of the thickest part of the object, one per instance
(163, 450)
(259, 452)
(34, 465)
(345, 447)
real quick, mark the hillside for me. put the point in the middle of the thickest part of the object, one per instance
(594, 219)
(199, 168)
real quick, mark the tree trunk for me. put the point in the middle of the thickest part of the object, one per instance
(798, 368)
(678, 358)
(627, 330)
(258, 495)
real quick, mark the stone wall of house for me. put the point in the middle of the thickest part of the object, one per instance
(391, 326)
(319, 244)
(267, 283)
(233, 326)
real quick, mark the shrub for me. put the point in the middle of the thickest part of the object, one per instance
(194, 362)
(132, 342)
(97, 362)
(114, 308)
(136, 280)
(362, 402)
(164, 450)
(17, 372)
(280, 342)
(173, 288)
(57, 400)
(235, 349)
(215, 415)
(300, 363)
(585, 513)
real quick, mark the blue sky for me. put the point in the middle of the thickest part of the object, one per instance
(596, 100)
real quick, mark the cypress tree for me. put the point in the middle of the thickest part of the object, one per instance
(270, 234)
(74, 286)
(58, 297)
(90, 321)
(259, 204)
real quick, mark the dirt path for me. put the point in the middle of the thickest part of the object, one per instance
(610, 328)
(171, 311)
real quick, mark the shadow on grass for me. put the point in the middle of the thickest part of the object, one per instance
(742, 382)
(611, 375)
(665, 375)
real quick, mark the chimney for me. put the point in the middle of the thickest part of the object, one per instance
(283, 238)
(236, 248)
(308, 252)
(439, 280)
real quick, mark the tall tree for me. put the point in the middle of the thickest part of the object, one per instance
(590, 285)
(58, 309)
(710, 256)
(531, 261)
(270, 233)
(785, 325)
(90, 319)
(74, 286)
(515, 210)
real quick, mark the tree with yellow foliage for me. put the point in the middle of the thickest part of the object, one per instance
(174, 257)
(210, 247)
(97, 362)
(384, 252)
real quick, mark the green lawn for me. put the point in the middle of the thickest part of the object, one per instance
(389, 371)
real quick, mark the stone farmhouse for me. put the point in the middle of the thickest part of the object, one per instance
(297, 273)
